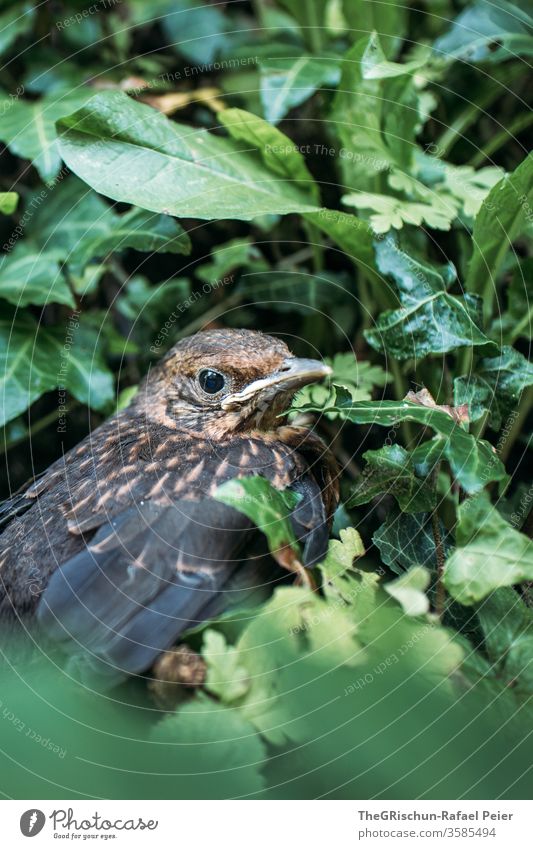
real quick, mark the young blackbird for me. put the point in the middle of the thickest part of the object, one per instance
(119, 546)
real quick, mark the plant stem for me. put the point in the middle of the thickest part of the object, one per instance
(524, 407)
(440, 592)
(400, 390)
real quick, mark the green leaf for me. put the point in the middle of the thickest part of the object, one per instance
(33, 278)
(201, 737)
(358, 377)
(507, 625)
(226, 258)
(389, 19)
(36, 360)
(488, 32)
(16, 21)
(473, 461)
(8, 202)
(278, 151)
(390, 471)
(496, 386)
(395, 212)
(517, 320)
(409, 590)
(267, 507)
(430, 320)
(407, 540)
(196, 30)
(311, 15)
(134, 154)
(28, 128)
(287, 82)
(375, 66)
(504, 215)
(226, 677)
(146, 304)
(489, 554)
(351, 234)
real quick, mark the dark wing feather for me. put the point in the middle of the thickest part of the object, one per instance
(309, 520)
(146, 577)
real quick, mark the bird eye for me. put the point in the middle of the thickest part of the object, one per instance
(211, 381)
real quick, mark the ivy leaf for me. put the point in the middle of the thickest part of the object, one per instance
(406, 540)
(430, 320)
(358, 377)
(409, 590)
(390, 471)
(489, 554)
(287, 82)
(33, 278)
(28, 128)
(495, 386)
(504, 215)
(473, 461)
(226, 677)
(35, 360)
(507, 625)
(267, 507)
(8, 202)
(134, 154)
(485, 32)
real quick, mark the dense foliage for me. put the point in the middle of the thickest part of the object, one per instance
(354, 177)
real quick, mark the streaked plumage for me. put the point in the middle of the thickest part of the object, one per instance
(120, 546)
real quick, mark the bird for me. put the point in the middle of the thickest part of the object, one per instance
(120, 546)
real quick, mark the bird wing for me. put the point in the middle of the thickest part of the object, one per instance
(146, 576)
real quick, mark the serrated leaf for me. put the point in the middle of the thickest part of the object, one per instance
(358, 377)
(390, 471)
(227, 678)
(490, 553)
(131, 153)
(287, 82)
(390, 212)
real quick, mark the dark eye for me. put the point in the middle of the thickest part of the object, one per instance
(211, 381)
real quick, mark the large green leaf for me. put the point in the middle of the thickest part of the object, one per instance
(34, 360)
(430, 320)
(504, 215)
(390, 471)
(473, 461)
(81, 228)
(388, 19)
(33, 278)
(28, 128)
(495, 386)
(490, 553)
(132, 153)
(488, 32)
(287, 81)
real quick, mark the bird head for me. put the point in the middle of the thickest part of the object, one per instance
(225, 381)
